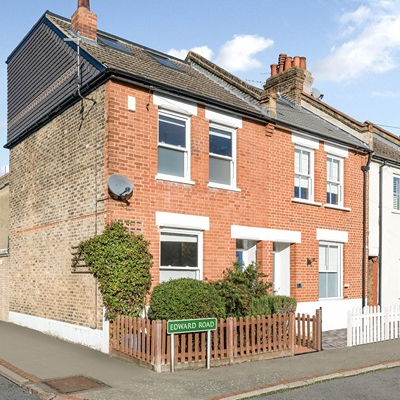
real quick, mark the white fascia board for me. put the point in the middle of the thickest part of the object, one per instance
(305, 141)
(183, 221)
(223, 118)
(332, 236)
(336, 150)
(273, 235)
(173, 104)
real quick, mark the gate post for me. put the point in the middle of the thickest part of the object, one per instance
(157, 329)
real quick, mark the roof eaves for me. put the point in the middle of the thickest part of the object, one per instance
(172, 90)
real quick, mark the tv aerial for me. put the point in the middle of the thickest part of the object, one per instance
(119, 187)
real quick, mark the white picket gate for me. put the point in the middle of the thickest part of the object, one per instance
(370, 324)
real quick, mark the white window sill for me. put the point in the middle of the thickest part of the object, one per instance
(337, 207)
(308, 202)
(225, 187)
(331, 298)
(396, 211)
(175, 179)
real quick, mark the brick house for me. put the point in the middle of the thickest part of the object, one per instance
(382, 283)
(220, 170)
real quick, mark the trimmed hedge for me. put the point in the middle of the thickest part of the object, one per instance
(282, 304)
(185, 298)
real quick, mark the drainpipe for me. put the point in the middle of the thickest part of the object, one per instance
(365, 169)
(380, 252)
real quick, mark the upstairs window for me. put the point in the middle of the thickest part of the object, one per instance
(222, 156)
(396, 193)
(304, 169)
(173, 147)
(334, 181)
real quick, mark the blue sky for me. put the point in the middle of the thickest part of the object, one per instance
(352, 46)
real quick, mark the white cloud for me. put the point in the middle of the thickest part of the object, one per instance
(371, 43)
(204, 51)
(238, 54)
(386, 93)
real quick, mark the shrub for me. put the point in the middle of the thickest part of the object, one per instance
(282, 304)
(239, 286)
(260, 306)
(121, 262)
(185, 298)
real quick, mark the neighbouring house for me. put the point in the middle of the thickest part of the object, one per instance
(384, 249)
(221, 170)
(382, 271)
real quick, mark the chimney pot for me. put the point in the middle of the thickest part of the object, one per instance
(288, 63)
(281, 61)
(274, 69)
(296, 61)
(303, 63)
(84, 4)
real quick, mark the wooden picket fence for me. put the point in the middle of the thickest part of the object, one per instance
(309, 330)
(235, 340)
(371, 324)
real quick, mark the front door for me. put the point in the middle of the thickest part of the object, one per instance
(281, 269)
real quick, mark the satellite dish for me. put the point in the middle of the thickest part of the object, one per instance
(119, 187)
(315, 93)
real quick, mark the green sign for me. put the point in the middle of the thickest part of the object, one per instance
(192, 325)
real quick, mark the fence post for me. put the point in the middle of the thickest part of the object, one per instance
(318, 338)
(157, 329)
(229, 339)
(292, 332)
(349, 328)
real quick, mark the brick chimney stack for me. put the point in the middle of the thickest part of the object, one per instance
(84, 21)
(289, 76)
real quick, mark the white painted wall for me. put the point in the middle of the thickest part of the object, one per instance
(94, 338)
(334, 312)
(390, 235)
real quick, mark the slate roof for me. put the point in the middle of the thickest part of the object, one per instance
(144, 67)
(386, 149)
(294, 115)
(202, 79)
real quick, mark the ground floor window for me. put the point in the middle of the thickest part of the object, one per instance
(330, 270)
(181, 254)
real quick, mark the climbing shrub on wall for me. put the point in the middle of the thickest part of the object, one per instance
(121, 262)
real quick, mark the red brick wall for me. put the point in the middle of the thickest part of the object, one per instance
(265, 176)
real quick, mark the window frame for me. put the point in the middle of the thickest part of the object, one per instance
(185, 150)
(309, 176)
(183, 232)
(231, 159)
(339, 183)
(339, 246)
(396, 194)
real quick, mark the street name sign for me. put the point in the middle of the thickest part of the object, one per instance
(191, 325)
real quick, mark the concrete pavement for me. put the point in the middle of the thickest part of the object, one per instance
(37, 361)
